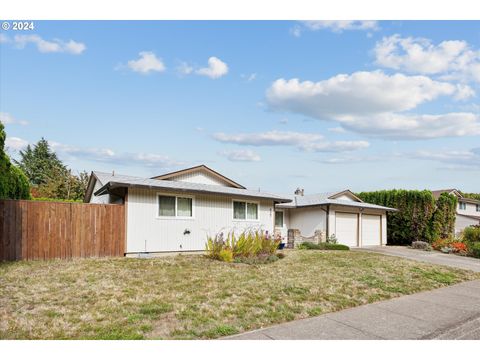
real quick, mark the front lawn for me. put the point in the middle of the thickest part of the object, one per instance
(192, 297)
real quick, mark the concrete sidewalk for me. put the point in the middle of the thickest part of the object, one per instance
(448, 313)
(432, 257)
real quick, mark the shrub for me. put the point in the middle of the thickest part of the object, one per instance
(336, 247)
(419, 216)
(421, 245)
(226, 255)
(249, 244)
(471, 234)
(309, 246)
(441, 243)
(474, 249)
(332, 239)
(322, 246)
(458, 247)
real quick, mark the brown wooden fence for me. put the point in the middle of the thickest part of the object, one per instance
(47, 230)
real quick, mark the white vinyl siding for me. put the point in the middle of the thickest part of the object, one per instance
(146, 231)
(200, 177)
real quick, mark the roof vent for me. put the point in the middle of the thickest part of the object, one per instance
(299, 192)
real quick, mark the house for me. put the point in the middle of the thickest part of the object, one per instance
(176, 211)
(352, 221)
(468, 210)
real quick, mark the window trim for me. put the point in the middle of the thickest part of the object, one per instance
(176, 217)
(249, 202)
(283, 219)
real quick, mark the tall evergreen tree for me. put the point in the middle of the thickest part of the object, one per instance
(40, 163)
(49, 177)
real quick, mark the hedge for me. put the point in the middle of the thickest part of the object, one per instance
(13, 182)
(420, 217)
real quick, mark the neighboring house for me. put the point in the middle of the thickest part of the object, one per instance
(468, 210)
(352, 221)
(176, 211)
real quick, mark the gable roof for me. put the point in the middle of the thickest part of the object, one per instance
(458, 194)
(436, 193)
(90, 186)
(329, 198)
(202, 167)
(110, 182)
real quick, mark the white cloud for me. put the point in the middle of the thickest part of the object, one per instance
(411, 126)
(341, 25)
(268, 138)
(457, 158)
(375, 103)
(216, 68)
(15, 143)
(110, 156)
(4, 38)
(303, 141)
(241, 155)
(336, 146)
(353, 159)
(249, 77)
(6, 118)
(361, 93)
(54, 46)
(453, 58)
(337, 129)
(184, 68)
(146, 63)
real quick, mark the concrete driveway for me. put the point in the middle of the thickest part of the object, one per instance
(433, 257)
(448, 313)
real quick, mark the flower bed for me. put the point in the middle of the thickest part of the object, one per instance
(251, 247)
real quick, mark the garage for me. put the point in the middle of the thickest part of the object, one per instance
(346, 227)
(371, 230)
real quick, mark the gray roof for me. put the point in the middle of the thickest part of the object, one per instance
(324, 199)
(109, 181)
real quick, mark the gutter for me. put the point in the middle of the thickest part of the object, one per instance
(111, 185)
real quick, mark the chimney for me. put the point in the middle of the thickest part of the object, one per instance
(113, 172)
(299, 192)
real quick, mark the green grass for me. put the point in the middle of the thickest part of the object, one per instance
(192, 297)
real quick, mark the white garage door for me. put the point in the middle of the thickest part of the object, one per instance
(346, 227)
(371, 230)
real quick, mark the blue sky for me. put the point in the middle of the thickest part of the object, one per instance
(273, 105)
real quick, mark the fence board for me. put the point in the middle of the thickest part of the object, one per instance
(48, 230)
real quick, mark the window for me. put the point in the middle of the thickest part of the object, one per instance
(245, 211)
(478, 207)
(166, 205)
(184, 207)
(462, 205)
(174, 206)
(279, 218)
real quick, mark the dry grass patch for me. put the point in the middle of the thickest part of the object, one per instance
(192, 297)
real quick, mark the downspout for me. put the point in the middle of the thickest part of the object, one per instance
(327, 227)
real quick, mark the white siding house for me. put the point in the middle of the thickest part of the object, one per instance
(177, 211)
(212, 214)
(468, 210)
(352, 221)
